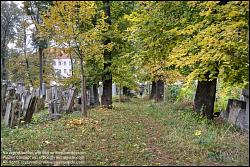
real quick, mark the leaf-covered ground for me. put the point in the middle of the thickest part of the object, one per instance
(139, 132)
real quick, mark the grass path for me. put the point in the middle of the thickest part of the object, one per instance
(134, 133)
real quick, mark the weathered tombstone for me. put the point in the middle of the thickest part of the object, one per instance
(60, 99)
(26, 103)
(43, 93)
(70, 101)
(48, 96)
(54, 99)
(10, 95)
(245, 93)
(7, 113)
(15, 113)
(30, 110)
(39, 104)
(236, 112)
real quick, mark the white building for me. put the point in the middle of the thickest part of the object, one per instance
(61, 61)
(62, 65)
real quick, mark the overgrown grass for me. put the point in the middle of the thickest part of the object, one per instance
(139, 132)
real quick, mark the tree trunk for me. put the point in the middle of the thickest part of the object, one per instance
(40, 67)
(96, 95)
(26, 59)
(125, 91)
(153, 90)
(106, 99)
(3, 67)
(159, 95)
(72, 66)
(120, 93)
(83, 90)
(205, 97)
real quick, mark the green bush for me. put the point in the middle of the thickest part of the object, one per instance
(172, 92)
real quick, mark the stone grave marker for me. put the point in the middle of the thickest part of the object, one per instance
(30, 109)
(236, 112)
(70, 101)
(7, 113)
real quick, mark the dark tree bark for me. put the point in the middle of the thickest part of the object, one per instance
(106, 99)
(125, 91)
(3, 67)
(205, 97)
(153, 90)
(96, 95)
(159, 91)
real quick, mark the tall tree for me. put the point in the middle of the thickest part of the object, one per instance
(73, 22)
(213, 46)
(10, 17)
(106, 99)
(35, 9)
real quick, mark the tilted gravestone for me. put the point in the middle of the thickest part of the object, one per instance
(7, 113)
(30, 109)
(70, 102)
(26, 103)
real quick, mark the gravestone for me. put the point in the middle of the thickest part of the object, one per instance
(48, 97)
(15, 113)
(7, 113)
(70, 101)
(30, 110)
(245, 93)
(43, 93)
(26, 103)
(236, 113)
(52, 98)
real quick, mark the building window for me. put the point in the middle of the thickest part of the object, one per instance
(65, 63)
(64, 70)
(69, 63)
(59, 63)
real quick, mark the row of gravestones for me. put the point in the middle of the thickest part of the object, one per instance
(19, 104)
(237, 112)
(59, 101)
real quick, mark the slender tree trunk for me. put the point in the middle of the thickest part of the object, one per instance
(26, 59)
(83, 90)
(40, 67)
(72, 65)
(153, 90)
(125, 91)
(3, 55)
(205, 97)
(106, 99)
(96, 95)
(120, 93)
(71, 61)
(159, 95)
